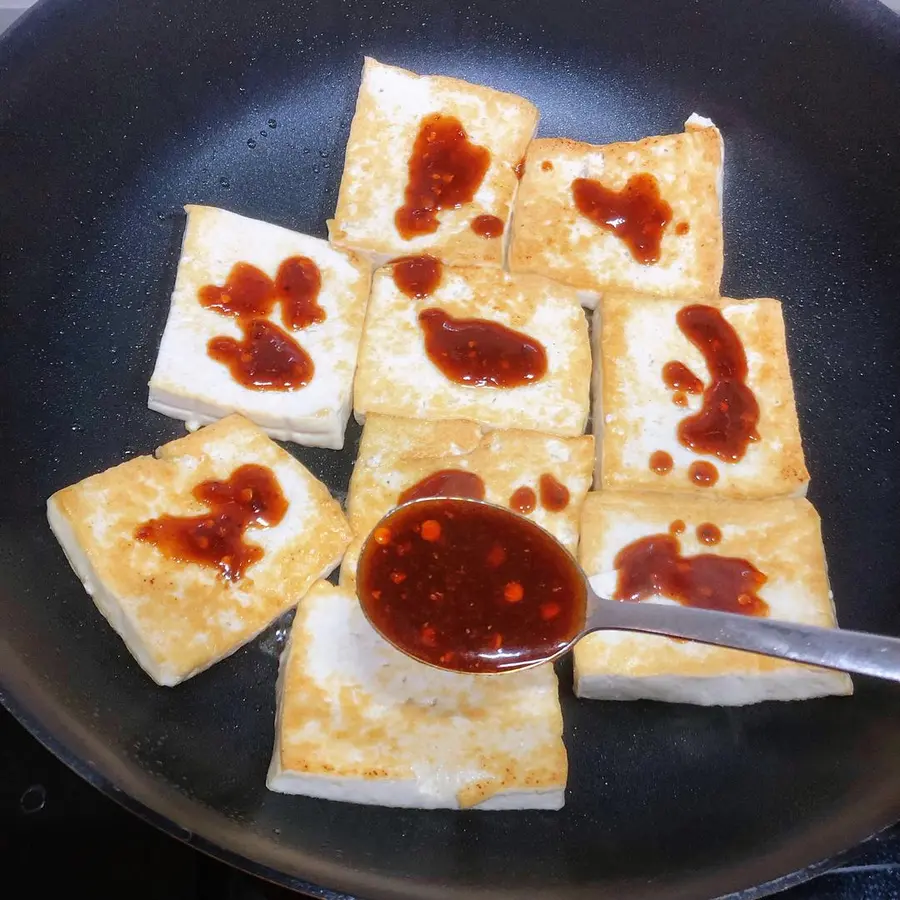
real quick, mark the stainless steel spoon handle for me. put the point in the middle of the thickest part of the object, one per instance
(848, 651)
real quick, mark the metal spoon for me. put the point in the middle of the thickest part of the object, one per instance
(848, 651)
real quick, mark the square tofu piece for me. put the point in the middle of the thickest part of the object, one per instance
(552, 237)
(781, 538)
(393, 109)
(360, 721)
(189, 384)
(397, 455)
(179, 617)
(636, 414)
(397, 377)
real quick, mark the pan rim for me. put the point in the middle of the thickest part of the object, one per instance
(38, 718)
(199, 840)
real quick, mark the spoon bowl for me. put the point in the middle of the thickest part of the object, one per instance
(469, 586)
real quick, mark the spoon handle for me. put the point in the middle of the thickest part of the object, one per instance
(848, 651)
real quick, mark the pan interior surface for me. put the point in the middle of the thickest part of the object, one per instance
(112, 116)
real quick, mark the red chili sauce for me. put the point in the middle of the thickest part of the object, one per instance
(479, 353)
(445, 171)
(467, 586)
(251, 497)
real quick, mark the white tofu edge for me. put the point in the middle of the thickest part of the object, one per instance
(117, 617)
(797, 683)
(104, 600)
(597, 423)
(698, 121)
(377, 260)
(589, 299)
(309, 431)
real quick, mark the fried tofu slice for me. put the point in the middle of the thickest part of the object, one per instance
(552, 237)
(391, 108)
(781, 538)
(396, 455)
(178, 617)
(189, 384)
(359, 721)
(634, 415)
(397, 377)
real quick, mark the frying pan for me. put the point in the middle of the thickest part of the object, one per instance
(112, 115)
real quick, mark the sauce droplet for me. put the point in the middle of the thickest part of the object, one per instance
(417, 276)
(519, 168)
(267, 359)
(479, 353)
(702, 473)
(678, 377)
(654, 565)
(679, 398)
(251, 497)
(637, 214)
(445, 483)
(547, 166)
(487, 226)
(661, 462)
(709, 534)
(523, 500)
(554, 494)
(493, 592)
(682, 228)
(677, 527)
(445, 171)
(726, 423)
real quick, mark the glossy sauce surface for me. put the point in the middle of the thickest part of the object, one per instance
(678, 377)
(266, 359)
(703, 473)
(677, 526)
(637, 214)
(519, 168)
(554, 494)
(251, 497)
(654, 565)
(469, 586)
(445, 170)
(248, 293)
(523, 500)
(445, 483)
(661, 462)
(709, 534)
(417, 276)
(487, 226)
(479, 353)
(726, 423)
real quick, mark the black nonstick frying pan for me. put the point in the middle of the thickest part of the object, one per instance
(113, 114)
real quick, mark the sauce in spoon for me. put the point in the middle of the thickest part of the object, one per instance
(469, 586)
